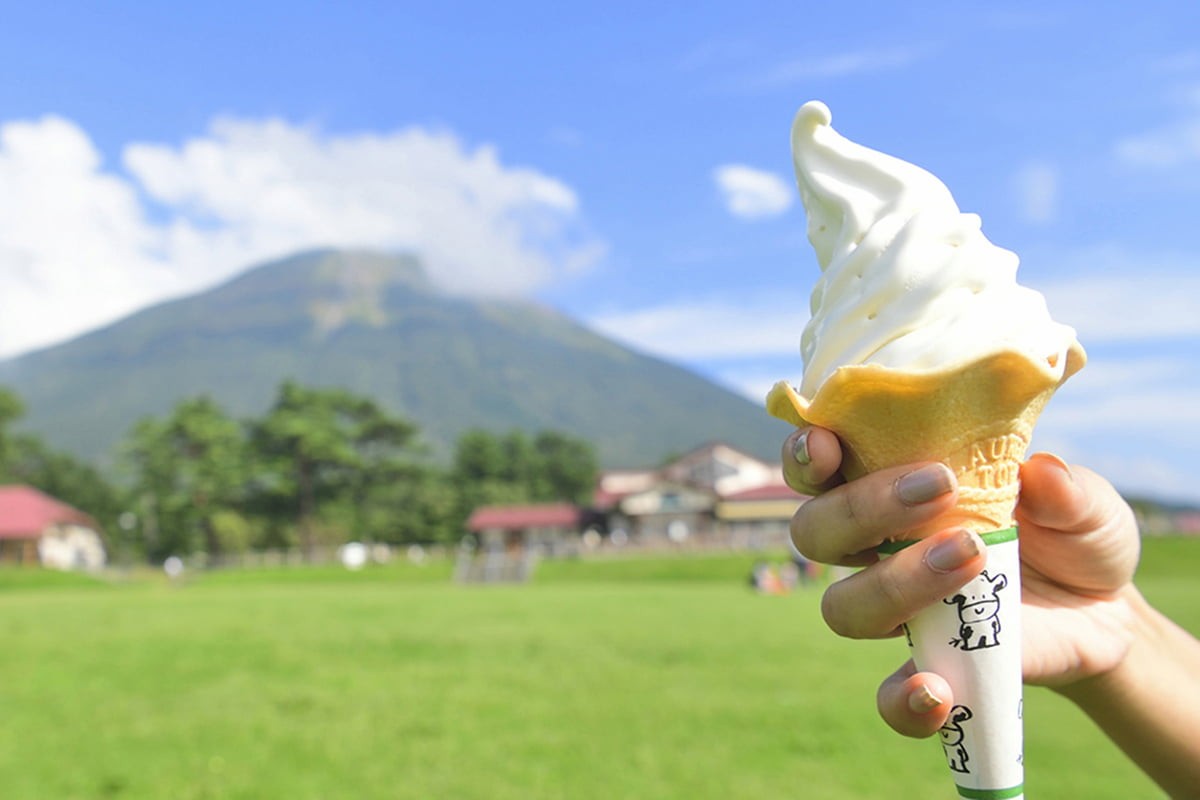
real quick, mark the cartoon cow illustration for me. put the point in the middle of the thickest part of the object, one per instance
(952, 734)
(979, 612)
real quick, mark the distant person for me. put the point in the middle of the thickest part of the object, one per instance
(756, 575)
(802, 565)
(789, 576)
(770, 580)
(1088, 632)
(765, 579)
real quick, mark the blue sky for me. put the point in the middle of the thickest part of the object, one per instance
(626, 163)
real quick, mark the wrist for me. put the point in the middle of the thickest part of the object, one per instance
(1147, 702)
(1143, 643)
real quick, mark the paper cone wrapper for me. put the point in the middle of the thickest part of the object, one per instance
(977, 418)
(973, 640)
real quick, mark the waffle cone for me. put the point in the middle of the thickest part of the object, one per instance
(976, 418)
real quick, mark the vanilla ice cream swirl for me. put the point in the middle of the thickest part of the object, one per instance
(908, 280)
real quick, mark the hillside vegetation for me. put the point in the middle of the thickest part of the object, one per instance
(372, 324)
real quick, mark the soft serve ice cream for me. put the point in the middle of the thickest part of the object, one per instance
(908, 281)
(921, 344)
(923, 347)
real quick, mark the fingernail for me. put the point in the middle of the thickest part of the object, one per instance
(1058, 462)
(924, 484)
(800, 450)
(922, 701)
(956, 550)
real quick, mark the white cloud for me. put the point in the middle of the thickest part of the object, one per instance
(754, 383)
(1166, 147)
(709, 329)
(1111, 375)
(80, 246)
(1036, 185)
(758, 326)
(1146, 396)
(1144, 470)
(752, 193)
(1130, 414)
(1134, 422)
(75, 247)
(746, 344)
(1145, 476)
(1139, 304)
(481, 226)
(844, 64)
(1161, 409)
(1175, 143)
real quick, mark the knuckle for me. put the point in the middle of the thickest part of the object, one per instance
(869, 605)
(890, 591)
(858, 518)
(805, 537)
(854, 508)
(836, 612)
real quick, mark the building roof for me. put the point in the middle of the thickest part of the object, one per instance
(772, 502)
(770, 491)
(667, 498)
(720, 468)
(516, 518)
(616, 484)
(26, 513)
(707, 450)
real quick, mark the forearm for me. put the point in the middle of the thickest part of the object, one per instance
(1150, 704)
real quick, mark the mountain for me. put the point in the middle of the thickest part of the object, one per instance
(373, 324)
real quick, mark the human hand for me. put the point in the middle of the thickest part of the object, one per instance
(1079, 548)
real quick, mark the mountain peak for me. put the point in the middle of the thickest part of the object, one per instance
(374, 324)
(347, 286)
(332, 288)
(334, 266)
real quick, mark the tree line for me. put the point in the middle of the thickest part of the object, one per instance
(320, 467)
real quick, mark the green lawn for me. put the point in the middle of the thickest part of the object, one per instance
(641, 678)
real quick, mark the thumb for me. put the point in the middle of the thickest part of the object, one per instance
(1054, 497)
(914, 703)
(1075, 527)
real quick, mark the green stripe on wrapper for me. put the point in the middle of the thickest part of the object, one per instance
(992, 794)
(990, 538)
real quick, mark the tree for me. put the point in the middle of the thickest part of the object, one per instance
(419, 508)
(319, 446)
(512, 468)
(11, 409)
(478, 457)
(27, 459)
(567, 467)
(482, 473)
(150, 463)
(190, 471)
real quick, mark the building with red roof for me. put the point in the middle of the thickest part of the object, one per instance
(714, 495)
(536, 527)
(524, 517)
(36, 528)
(759, 515)
(511, 538)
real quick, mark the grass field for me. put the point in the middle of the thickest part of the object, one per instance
(643, 678)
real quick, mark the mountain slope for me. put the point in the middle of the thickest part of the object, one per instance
(372, 323)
